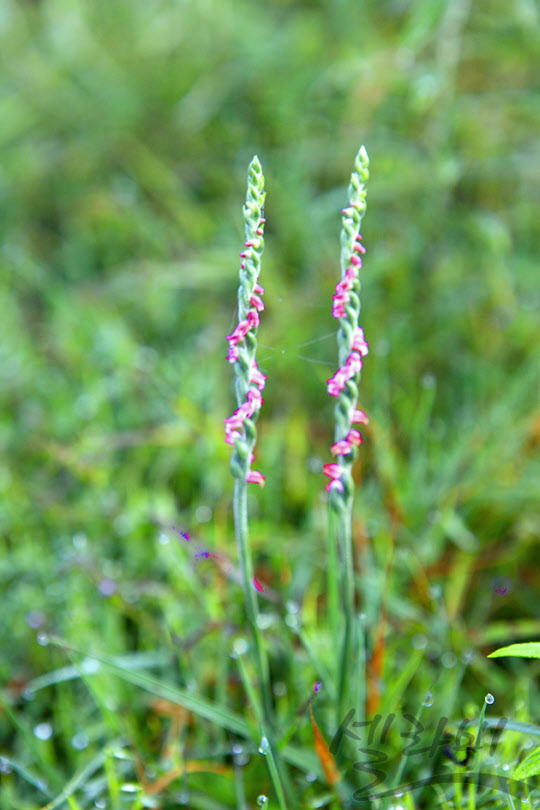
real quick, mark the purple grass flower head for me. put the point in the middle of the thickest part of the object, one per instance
(352, 345)
(240, 431)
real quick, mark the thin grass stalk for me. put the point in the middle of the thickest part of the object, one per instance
(344, 385)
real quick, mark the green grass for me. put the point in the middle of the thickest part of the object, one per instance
(127, 128)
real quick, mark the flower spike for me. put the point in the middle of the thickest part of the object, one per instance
(351, 341)
(240, 429)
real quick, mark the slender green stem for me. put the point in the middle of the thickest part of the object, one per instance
(250, 596)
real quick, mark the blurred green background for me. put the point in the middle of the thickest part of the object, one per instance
(126, 132)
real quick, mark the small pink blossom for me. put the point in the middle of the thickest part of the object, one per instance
(354, 438)
(257, 377)
(254, 477)
(258, 289)
(253, 319)
(354, 363)
(332, 470)
(257, 302)
(341, 448)
(240, 332)
(359, 417)
(233, 353)
(255, 400)
(356, 260)
(359, 342)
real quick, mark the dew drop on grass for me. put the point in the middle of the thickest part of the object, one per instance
(262, 800)
(449, 660)
(489, 699)
(101, 804)
(264, 621)
(428, 700)
(419, 641)
(90, 665)
(43, 731)
(240, 646)
(264, 746)
(129, 787)
(42, 639)
(311, 777)
(279, 689)
(79, 741)
(5, 766)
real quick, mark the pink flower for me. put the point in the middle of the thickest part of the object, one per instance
(252, 319)
(258, 289)
(359, 417)
(233, 354)
(354, 438)
(354, 363)
(359, 342)
(255, 400)
(257, 302)
(356, 260)
(341, 448)
(257, 377)
(240, 332)
(333, 471)
(254, 477)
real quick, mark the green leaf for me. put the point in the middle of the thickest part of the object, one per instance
(528, 650)
(529, 767)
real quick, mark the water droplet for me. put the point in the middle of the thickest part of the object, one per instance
(428, 700)
(90, 665)
(419, 641)
(292, 622)
(28, 695)
(80, 741)
(429, 381)
(291, 607)
(129, 787)
(43, 731)
(279, 689)
(237, 748)
(163, 539)
(449, 660)
(311, 777)
(525, 799)
(362, 617)
(101, 804)
(264, 621)
(5, 766)
(240, 646)
(42, 639)
(435, 591)
(107, 587)
(467, 656)
(203, 514)
(264, 746)
(506, 766)
(398, 794)
(262, 800)
(489, 699)
(35, 619)
(79, 541)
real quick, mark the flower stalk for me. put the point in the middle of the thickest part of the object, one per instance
(352, 348)
(241, 434)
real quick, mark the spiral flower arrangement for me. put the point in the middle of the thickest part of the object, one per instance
(352, 344)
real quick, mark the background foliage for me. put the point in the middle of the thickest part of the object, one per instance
(127, 128)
